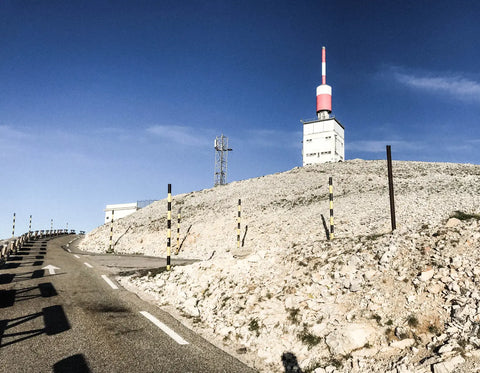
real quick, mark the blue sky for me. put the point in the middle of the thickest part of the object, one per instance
(108, 101)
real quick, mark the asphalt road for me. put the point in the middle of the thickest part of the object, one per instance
(71, 319)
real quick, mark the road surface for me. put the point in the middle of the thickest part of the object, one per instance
(61, 311)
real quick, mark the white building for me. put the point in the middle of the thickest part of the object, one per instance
(323, 141)
(324, 137)
(119, 211)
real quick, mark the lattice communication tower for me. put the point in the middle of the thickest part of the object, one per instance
(221, 151)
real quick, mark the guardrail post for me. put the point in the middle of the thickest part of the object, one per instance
(169, 224)
(2, 253)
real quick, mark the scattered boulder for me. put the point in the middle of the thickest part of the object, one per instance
(350, 337)
(426, 275)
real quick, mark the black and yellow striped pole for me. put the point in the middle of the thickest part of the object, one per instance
(239, 217)
(110, 249)
(178, 231)
(169, 225)
(330, 185)
(13, 229)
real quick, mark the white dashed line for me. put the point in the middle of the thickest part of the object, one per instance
(165, 328)
(69, 250)
(110, 282)
(76, 256)
(88, 265)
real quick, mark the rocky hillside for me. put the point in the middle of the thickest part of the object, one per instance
(367, 301)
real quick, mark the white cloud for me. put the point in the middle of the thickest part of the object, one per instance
(181, 135)
(10, 133)
(455, 86)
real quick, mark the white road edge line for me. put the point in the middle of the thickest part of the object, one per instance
(69, 250)
(76, 256)
(165, 328)
(88, 265)
(110, 282)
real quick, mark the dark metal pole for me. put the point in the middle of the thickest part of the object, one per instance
(390, 187)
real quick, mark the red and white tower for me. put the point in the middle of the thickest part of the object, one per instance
(324, 92)
(323, 138)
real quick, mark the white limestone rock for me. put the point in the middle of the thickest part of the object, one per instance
(350, 337)
(190, 307)
(426, 275)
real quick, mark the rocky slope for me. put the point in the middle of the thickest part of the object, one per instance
(369, 300)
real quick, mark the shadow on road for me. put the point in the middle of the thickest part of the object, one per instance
(6, 278)
(9, 297)
(54, 319)
(11, 265)
(72, 364)
(38, 273)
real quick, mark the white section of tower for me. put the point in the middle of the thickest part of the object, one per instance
(323, 141)
(323, 138)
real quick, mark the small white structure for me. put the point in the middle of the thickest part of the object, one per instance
(323, 138)
(120, 211)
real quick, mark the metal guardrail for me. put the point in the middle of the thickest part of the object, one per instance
(11, 246)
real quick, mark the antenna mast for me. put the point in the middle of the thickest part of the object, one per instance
(221, 151)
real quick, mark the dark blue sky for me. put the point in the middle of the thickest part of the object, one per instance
(108, 101)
